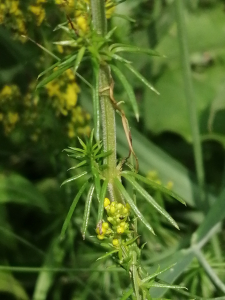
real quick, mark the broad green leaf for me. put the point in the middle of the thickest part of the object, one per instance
(53, 259)
(79, 59)
(17, 189)
(129, 48)
(101, 202)
(8, 284)
(128, 88)
(72, 208)
(215, 215)
(129, 200)
(154, 185)
(107, 254)
(141, 78)
(74, 177)
(151, 200)
(54, 75)
(87, 210)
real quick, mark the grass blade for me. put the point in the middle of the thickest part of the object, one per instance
(72, 208)
(151, 200)
(128, 88)
(129, 200)
(102, 198)
(74, 177)
(87, 210)
(154, 185)
(141, 78)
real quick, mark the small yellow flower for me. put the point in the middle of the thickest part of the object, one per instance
(100, 236)
(105, 225)
(115, 242)
(106, 202)
(82, 24)
(120, 230)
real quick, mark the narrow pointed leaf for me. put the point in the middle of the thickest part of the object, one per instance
(74, 177)
(125, 17)
(72, 208)
(61, 24)
(49, 69)
(158, 272)
(154, 185)
(43, 48)
(102, 198)
(129, 48)
(51, 77)
(84, 80)
(132, 240)
(129, 200)
(127, 294)
(87, 210)
(104, 154)
(128, 88)
(141, 78)
(163, 285)
(73, 149)
(82, 143)
(66, 43)
(83, 163)
(110, 33)
(96, 106)
(121, 59)
(107, 254)
(79, 59)
(151, 200)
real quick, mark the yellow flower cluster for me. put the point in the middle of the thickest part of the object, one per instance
(8, 116)
(16, 16)
(117, 217)
(78, 10)
(63, 92)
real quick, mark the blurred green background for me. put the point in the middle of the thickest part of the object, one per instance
(35, 126)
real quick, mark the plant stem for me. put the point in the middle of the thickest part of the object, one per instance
(189, 93)
(107, 110)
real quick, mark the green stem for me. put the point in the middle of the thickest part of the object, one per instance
(189, 92)
(107, 110)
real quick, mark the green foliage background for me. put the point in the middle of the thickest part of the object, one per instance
(34, 262)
